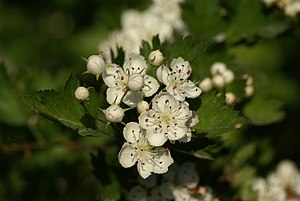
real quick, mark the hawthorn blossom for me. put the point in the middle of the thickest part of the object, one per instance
(166, 120)
(138, 150)
(176, 80)
(130, 83)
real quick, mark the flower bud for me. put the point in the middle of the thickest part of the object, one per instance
(114, 113)
(142, 106)
(82, 93)
(156, 58)
(217, 68)
(135, 82)
(218, 81)
(228, 76)
(249, 90)
(230, 98)
(206, 84)
(95, 65)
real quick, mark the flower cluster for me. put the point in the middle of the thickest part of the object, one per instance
(162, 115)
(221, 77)
(290, 7)
(180, 183)
(162, 18)
(283, 184)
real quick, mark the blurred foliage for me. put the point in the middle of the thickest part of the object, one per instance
(42, 42)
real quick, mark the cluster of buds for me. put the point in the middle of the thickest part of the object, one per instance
(166, 117)
(221, 77)
(180, 183)
(283, 184)
(290, 7)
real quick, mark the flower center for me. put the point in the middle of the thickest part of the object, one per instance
(166, 119)
(143, 148)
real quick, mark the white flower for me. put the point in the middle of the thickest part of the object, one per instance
(130, 83)
(138, 150)
(156, 58)
(114, 113)
(166, 120)
(81, 93)
(95, 65)
(116, 80)
(176, 79)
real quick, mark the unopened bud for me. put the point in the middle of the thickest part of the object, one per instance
(206, 84)
(95, 65)
(114, 113)
(156, 58)
(82, 93)
(135, 82)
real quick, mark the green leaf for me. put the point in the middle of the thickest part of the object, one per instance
(64, 107)
(263, 110)
(215, 117)
(249, 21)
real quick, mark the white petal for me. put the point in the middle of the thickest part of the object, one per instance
(165, 160)
(190, 90)
(163, 102)
(176, 92)
(144, 169)
(127, 156)
(150, 86)
(113, 75)
(181, 68)
(177, 132)
(182, 112)
(148, 119)
(114, 95)
(135, 64)
(159, 74)
(132, 132)
(132, 98)
(156, 138)
(162, 74)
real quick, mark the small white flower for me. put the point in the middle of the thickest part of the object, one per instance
(218, 81)
(176, 79)
(206, 84)
(116, 80)
(130, 83)
(156, 58)
(230, 98)
(166, 120)
(82, 93)
(143, 106)
(138, 150)
(114, 113)
(95, 65)
(228, 76)
(218, 68)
